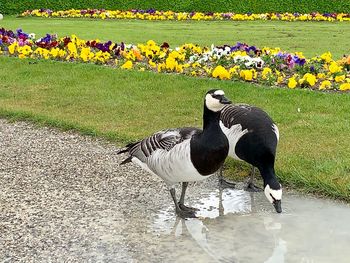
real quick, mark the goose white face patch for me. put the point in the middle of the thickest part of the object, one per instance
(214, 104)
(219, 92)
(273, 195)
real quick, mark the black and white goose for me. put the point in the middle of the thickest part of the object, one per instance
(184, 154)
(253, 138)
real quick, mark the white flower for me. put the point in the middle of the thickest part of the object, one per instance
(258, 62)
(193, 58)
(204, 58)
(249, 62)
(32, 35)
(227, 51)
(1, 16)
(240, 58)
(129, 46)
(217, 53)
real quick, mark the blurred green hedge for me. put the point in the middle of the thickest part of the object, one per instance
(237, 6)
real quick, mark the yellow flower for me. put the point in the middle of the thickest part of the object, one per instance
(344, 86)
(280, 79)
(221, 72)
(151, 43)
(161, 66)
(321, 75)
(310, 79)
(72, 49)
(151, 63)
(327, 57)
(171, 63)
(54, 52)
(179, 68)
(25, 50)
(292, 83)
(266, 73)
(61, 53)
(233, 70)
(12, 48)
(246, 74)
(127, 65)
(195, 65)
(334, 68)
(326, 84)
(85, 54)
(340, 78)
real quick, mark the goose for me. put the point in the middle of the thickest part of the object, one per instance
(183, 155)
(253, 138)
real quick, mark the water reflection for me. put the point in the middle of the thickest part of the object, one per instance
(237, 226)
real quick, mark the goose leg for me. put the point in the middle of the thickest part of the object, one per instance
(222, 182)
(182, 199)
(251, 187)
(180, 212)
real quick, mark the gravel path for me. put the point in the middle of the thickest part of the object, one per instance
(64, 198)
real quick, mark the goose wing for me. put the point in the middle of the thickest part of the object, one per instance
(163, 140)
(249, 117)
(237, 114)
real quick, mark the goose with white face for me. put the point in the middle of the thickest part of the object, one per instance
(215, 100)
(275, 197)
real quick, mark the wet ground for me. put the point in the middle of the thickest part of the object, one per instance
(64, 198)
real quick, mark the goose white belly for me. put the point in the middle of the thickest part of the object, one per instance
(233, 135)
(172, 166)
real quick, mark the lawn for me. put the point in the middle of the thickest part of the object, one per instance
(312, 38)
(313, 153)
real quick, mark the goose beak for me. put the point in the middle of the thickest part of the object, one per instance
(224, 100)
(277, 205)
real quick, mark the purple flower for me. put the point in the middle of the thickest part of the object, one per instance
(239, 46)
(251, 48)
(151, 11)
(299, 61)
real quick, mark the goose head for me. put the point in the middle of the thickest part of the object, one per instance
(274, 196)
(215, 100)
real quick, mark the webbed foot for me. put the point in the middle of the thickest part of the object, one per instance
(186, 213)
(252, 188)
(226, 184)
(187, 208)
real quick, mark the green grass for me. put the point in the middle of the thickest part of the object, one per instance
(124, 105)
(312, 38)
(313, 154)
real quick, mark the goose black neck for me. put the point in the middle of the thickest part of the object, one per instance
(210, 118)
(269, 177)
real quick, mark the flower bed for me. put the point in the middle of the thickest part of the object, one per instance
(268, 66)
(170, 15)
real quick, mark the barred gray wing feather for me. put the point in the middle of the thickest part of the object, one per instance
(165, 140)
(232, 114)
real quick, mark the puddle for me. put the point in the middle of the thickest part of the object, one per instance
(237, 226)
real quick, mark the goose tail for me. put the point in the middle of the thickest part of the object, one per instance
(126, 149)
